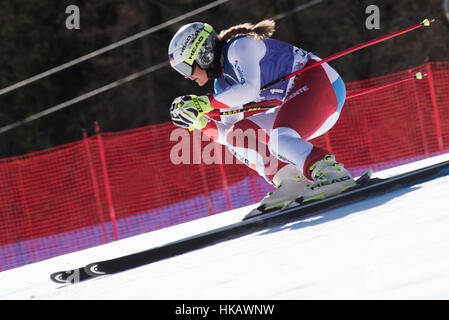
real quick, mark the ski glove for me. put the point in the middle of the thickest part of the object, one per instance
(187, 111)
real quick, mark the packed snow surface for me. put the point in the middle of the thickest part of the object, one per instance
(393, 246)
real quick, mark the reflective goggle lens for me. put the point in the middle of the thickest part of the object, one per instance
(184, 69)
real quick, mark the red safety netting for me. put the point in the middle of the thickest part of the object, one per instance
(114, 185)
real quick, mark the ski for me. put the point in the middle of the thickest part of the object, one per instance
(368, 187)
(70, 276)
(77, 275)
(364, 180)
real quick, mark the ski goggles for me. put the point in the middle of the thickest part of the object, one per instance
(186, 67)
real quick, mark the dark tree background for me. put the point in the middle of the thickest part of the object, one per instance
(33, 38)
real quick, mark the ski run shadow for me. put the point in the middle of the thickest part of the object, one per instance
(338, 213)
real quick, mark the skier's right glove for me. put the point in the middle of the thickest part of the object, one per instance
(187, 111)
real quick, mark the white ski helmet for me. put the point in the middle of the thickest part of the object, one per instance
(192, 43)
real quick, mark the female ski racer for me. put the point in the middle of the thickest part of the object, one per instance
(242, 60)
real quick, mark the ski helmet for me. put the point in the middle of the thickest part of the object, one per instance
(192, 43)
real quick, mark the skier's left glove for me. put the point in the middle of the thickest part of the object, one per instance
(187, 111)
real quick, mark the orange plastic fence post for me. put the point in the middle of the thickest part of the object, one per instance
(435, 107)
(107, 185)
(224, 180)
(95, 186)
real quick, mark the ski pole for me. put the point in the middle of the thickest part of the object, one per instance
(417, 76)
(253, 106)
(424, 23)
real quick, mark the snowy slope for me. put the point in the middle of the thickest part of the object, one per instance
(394, 246)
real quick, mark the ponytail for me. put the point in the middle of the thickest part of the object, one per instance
(261, 30)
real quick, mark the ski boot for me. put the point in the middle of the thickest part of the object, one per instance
(289, 185)
(330, 177)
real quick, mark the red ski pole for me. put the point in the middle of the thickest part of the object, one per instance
(417, 76)
(424, 23)
(265, 105)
